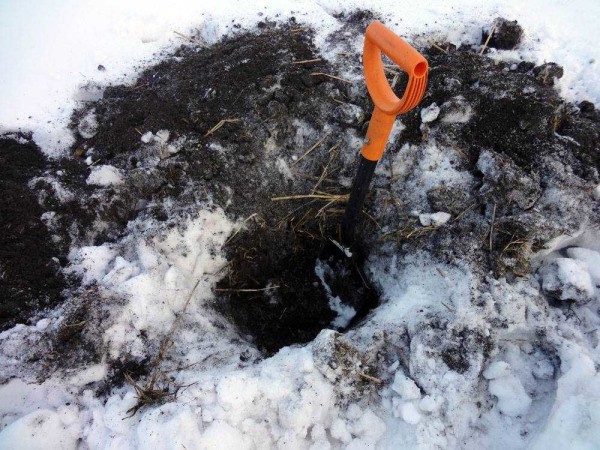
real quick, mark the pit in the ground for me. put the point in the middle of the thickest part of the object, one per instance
(283, 287)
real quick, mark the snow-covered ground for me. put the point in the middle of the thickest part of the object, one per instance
(539, 395)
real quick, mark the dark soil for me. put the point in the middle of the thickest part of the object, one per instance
(30, 262)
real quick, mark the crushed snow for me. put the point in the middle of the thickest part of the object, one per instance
(105, 175)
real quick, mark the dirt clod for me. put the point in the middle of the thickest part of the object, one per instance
(507, 34)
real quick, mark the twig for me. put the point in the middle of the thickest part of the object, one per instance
(447, 307)
(240, 228)
(270, 288)
(322, 196)
(463, 212)
(148, 393)
(307, 152)
(191, 39)
(316, 74)
(370, 378)
(371, 218)
(325, 170)
(434, 45)
(219, 125)
(307, 61)
(485, 44)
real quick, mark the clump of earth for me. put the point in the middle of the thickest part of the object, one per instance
(264, 127)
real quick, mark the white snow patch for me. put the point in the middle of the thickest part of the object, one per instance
(436, 219)
(568, 278)
(105, 176)
(430, 113)
(345, 313)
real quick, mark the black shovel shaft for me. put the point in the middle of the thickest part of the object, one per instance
(360, 188)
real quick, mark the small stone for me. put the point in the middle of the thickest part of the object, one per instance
(101, 68)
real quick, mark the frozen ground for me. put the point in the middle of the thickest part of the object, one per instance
(454, 357)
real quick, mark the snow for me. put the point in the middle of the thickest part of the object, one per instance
(430, 113)
(105, 175)
(345, 313)
(436, 219)
(568, 279)
(545, 388)
(506, 387)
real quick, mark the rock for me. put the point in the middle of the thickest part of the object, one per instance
(507, 34)
(349, 114)
(586, 107)
(546, 73)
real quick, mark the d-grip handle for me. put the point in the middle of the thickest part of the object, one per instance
(380, 39)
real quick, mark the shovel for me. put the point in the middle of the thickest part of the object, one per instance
(380, 39)
(338, 264)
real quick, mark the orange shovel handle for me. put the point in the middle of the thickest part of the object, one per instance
(380, 39)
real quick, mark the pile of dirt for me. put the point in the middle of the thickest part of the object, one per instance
(30, 260)
(262, 115)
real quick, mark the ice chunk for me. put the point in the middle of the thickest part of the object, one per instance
(543, 370)
(409, 413)
(147, 137)
(567, 279)
(496, 370)
(405, 387)
(512, 399)
(430, 113)
(88, 125)
(590, 257)
(40, 429)
(162, 136)
(105, 176)
(436, 219)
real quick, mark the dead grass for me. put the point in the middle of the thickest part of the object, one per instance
(220, 124)
(158, 388)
